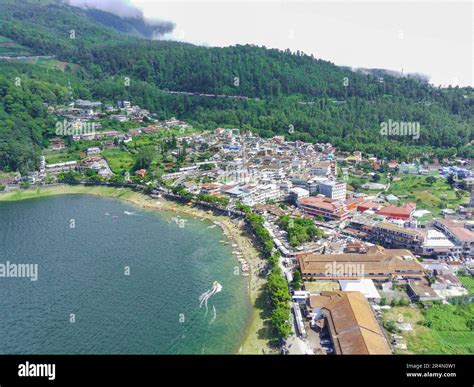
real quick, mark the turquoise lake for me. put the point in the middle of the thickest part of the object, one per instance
(121, 281)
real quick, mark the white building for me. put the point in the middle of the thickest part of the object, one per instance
(437, 244)
(333, 189)
(255, 194)
(322, 169)
(61, 167)
(297, 193)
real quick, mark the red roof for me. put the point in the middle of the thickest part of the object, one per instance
(319, 202)
(404, 211)
(366, 205)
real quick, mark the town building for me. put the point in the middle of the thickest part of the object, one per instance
(437, 245)
(420, 291)
(377, 263)
(459, 234)
(351, 324)
(323, 168)
(61, 167)
(404, 212)
(93, 151)
(393, 236)
(298, 193)
(327, 208)
(333, 189)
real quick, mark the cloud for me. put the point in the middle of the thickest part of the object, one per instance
(125, 9)
(122, 8)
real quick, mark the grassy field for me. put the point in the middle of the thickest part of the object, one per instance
(321, 286)
(432, 197)
(119, 160)
(468, 282)
(447, 331)
(53, 157)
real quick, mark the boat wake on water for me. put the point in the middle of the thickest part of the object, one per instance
(203, 298)
(214, 314)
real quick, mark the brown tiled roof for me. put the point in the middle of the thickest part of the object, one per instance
(319, 202)
(376, 260)
(353, 327)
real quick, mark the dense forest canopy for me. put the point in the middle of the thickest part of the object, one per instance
(321, 101)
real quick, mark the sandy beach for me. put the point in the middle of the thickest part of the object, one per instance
(256, 339)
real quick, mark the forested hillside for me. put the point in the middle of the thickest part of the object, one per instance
(323, 102)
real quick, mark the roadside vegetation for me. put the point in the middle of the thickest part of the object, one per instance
(280, 298)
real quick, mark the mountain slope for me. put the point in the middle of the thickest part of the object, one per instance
(323, 102)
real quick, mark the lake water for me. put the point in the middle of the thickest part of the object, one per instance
(83, 301)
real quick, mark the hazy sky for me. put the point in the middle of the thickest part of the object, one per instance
(432, 38)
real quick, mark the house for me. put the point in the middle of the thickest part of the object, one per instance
(373, 186)
(119, 117)
(57, 144)
(411, 169)
(10, 180)
(392, 165)
(211, 189)
(420, 291)
(135, 132)
(93, 151)
(351, 324)
(150, 129)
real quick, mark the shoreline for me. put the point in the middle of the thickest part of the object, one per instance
(252, 342)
